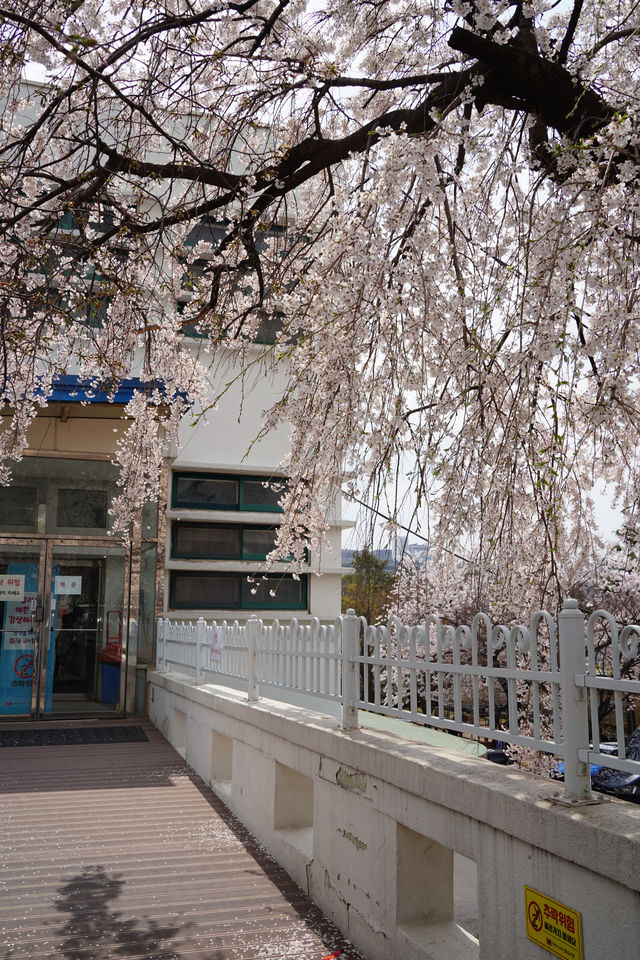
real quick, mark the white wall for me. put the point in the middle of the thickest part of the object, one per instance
(410, 850)
(325, 596)
(226, 434)
(224, 440)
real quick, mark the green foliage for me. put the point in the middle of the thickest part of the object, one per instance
(368, 588)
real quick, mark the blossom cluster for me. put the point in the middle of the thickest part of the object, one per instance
(435, 207)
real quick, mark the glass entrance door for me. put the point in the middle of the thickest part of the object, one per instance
(22, 567)
(84, 662)
(61, 651)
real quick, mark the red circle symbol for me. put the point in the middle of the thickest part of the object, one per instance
(535, 916)
(24, 666)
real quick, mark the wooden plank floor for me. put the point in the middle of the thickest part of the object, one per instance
(121, 851)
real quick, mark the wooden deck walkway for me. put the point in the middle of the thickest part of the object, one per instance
(119, 850)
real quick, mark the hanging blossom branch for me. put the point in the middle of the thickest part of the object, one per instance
(440, 205)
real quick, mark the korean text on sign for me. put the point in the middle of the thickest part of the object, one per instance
(552, 925)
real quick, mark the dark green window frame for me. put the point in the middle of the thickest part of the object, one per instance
(241, 529)
(241, 504)
(244, 602)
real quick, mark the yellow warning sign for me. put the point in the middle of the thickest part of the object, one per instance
(553, 926)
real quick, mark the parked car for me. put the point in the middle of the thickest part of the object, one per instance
(613, 783)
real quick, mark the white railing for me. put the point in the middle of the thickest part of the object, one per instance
(301, 657)
(471, 679)
(605, 665)
(524, 685)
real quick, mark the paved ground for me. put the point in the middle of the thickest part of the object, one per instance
(118, 850)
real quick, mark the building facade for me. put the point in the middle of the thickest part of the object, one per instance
(78, 606)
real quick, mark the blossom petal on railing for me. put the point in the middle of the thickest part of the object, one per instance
(630, 650)
(481, 618)
(520, 637)
(465, 635)
(445, 638)
(498, 637)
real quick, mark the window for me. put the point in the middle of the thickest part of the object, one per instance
(99, 216)
(217, 541)
(270, 326)
(199, 272)
(204, 591)
(82, 508)
(18, 506)
(204, 491)
(55, 495)
(255, 495)
(225, 591)
(274, 590)
(257, 542)
(199, 540)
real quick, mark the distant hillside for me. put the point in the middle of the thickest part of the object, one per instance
(417, 551)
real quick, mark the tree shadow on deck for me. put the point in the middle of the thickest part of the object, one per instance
(97, 931)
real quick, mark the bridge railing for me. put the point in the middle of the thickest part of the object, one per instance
(540, 685)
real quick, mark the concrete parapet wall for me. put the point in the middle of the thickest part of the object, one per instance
(412, 851)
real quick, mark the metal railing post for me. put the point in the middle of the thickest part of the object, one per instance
(575, 725)
(350, 689)
(168, 633)
(201, 638)
(159, 641)
(253, 628)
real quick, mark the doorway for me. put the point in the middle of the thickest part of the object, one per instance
(62, 627)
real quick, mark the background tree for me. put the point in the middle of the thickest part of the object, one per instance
(367, 589)
(454, 590)
(439, 201)
(614, 585)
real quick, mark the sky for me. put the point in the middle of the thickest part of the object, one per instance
(608, 518)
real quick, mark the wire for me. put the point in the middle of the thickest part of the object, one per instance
(414, 533)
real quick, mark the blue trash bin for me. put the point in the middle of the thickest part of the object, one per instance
(110, 692)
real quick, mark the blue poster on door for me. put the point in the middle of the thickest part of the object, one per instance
(17, 643)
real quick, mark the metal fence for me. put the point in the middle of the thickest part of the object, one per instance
(539, 685)
(292, 656)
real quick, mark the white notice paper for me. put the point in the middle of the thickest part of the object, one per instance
(67, 586)
(12, 586)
